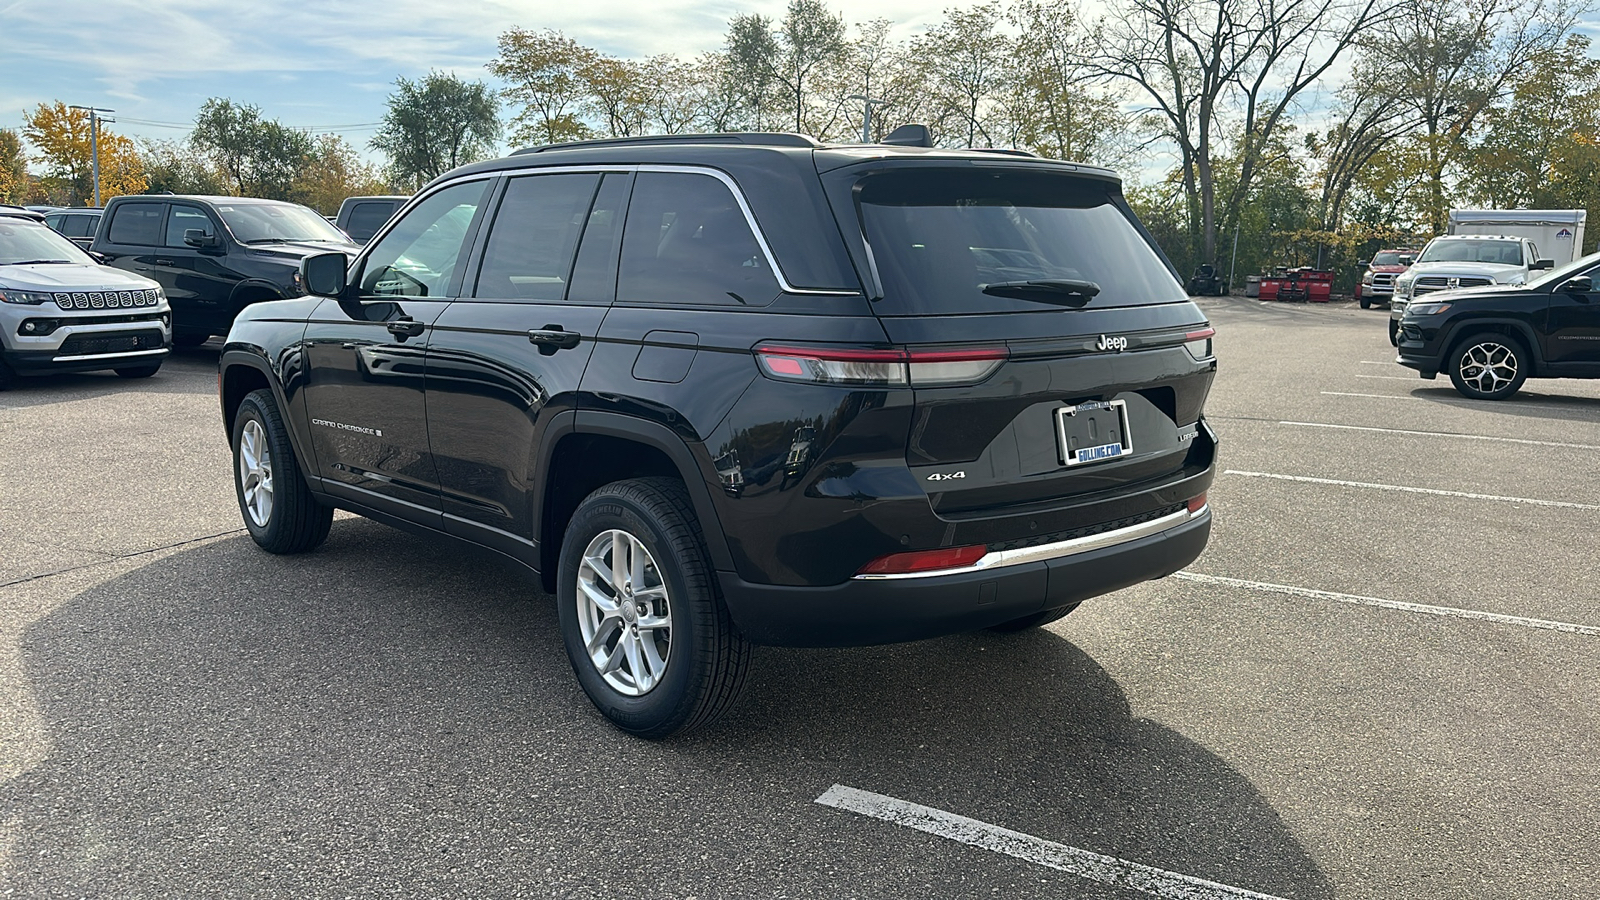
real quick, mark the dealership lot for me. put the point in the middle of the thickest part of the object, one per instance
(1378, 682)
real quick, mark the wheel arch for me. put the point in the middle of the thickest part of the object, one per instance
(1523, 332)
(588, 449)
(239, 373)
(253, 290)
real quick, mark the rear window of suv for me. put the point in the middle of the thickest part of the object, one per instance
(947, 241)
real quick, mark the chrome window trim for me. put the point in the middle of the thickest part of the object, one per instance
(1003, 558)
(726, 179)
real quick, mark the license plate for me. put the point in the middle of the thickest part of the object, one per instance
(1092, 432)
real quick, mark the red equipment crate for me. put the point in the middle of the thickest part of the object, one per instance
(1299, 285)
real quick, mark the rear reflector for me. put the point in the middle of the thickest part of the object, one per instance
(925, 560)
(1197, 504)
(890, 368)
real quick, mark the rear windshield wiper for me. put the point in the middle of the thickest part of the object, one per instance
(40, 262)
(1073, 292)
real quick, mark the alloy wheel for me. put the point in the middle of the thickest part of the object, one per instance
(624, 613)
(255, 473)
(1488, 366)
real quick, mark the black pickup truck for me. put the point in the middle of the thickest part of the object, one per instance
(214, 255)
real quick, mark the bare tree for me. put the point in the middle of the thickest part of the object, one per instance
(1209, 68)
(964, 64)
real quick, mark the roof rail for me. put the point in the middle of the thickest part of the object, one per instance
(1008, 151)
(759, 138)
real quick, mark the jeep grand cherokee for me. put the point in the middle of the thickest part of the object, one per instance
(735, 389)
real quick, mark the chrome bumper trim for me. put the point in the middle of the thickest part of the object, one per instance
(1003, 558)
(129, 354)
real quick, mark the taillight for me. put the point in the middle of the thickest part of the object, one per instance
(1197, 503)
(925, 560)
(893, 368)
(1198, 343)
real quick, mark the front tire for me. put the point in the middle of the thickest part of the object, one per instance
(1489, 366)
(137, 371)
(278, 509)
(1394, 333)
(1366, 302)
(189, 339)
(648, 636)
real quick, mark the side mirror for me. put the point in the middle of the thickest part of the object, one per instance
(1543, 264)
(200, 239)
(324, 274)
(1583, 284)
(1407, 260)
(100, 258)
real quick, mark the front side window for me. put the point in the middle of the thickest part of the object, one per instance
(419, 255)
(136, 223)
(535, 232)
(687, 242)
(183, 218)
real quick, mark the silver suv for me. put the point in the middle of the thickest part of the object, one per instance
(1455, 261)
(60, 311)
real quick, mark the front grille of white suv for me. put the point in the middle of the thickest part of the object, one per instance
(107, 299)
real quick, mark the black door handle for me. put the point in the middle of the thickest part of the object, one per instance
(553, 337)
(404, 328)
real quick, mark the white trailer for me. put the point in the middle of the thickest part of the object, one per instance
(1558, 233)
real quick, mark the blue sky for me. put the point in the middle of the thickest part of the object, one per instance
(318, 64)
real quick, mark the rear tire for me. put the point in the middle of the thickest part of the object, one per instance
(278, 508)
(188, 339)
(1366, 302)
(1035, 620)
(138, 371)
(1489, 366)
(653, 647)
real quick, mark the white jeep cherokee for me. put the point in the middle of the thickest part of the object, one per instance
(60, 311)
(1454, 261)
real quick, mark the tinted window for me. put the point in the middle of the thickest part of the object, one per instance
(1506, 253)
(941, 238)
(594, 277)
(81, 226)
(181, 219)
(535, 232)
(1387, 258)
(686, 241)
(58, 223)
(367, 218)
(420, 253)
(136, 223)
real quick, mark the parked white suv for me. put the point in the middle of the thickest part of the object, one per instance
(1454, 261)
(60, 311)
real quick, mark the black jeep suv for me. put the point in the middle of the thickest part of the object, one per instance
(1490, 340)
(735, 389)
(214, 255)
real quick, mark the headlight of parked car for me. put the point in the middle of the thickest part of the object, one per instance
(1402, 288)
(32, 298)
(1426, 309)
(1366, 278)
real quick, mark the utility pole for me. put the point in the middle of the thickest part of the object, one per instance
(94, 143)
(866, 115)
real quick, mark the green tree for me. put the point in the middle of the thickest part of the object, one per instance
(334, 173)
(1054, 105)
(542, 74)
(13, 168)
(435, 124)
(261, 157)
(177, 167)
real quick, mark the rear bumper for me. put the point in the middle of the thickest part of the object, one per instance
(888, 610)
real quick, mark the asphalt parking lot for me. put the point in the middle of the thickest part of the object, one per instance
(1378, 682)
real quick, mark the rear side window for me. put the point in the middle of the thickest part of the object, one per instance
(948, 241)
(534, 236)
(687, 242)
(57, 223)
(81, 226)
(136, 223)
(367, 218)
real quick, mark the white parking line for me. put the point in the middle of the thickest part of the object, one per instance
(1415, 490)
(1448, 611)
(1379, 362)
(1393, 377)
(1448, 434)
(1377, 396)
(1083, 863)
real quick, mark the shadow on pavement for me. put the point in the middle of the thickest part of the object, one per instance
(182, 372)
(1525, 402)
(387, 717)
